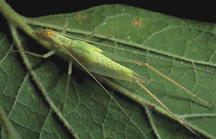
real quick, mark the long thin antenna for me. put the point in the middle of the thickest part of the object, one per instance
(158, 101)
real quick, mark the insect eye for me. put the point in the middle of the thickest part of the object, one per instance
(46, 32)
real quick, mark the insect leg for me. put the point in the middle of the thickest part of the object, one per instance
(68, 82)
(50, 53)
(177, 84)
(65, 27)
(171, 113)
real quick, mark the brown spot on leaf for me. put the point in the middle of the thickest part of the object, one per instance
(138, 22)
(80, 16)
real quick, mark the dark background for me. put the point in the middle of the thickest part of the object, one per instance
(201, 11)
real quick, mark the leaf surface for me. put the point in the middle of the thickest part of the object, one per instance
(181, 49)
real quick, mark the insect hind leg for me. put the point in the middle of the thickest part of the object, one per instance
(180, 86)
(170, 112)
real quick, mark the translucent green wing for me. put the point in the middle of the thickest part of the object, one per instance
(121, 58)
(84, 46)
(98, 69)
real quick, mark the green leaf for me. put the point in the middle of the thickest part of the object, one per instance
(182, 50)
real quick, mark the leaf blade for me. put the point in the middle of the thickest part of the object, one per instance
(119, 20)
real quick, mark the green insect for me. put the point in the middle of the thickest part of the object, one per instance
(92, 60)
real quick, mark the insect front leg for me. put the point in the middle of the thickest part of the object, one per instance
(50, 53)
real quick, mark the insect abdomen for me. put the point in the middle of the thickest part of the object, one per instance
(112, 65)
